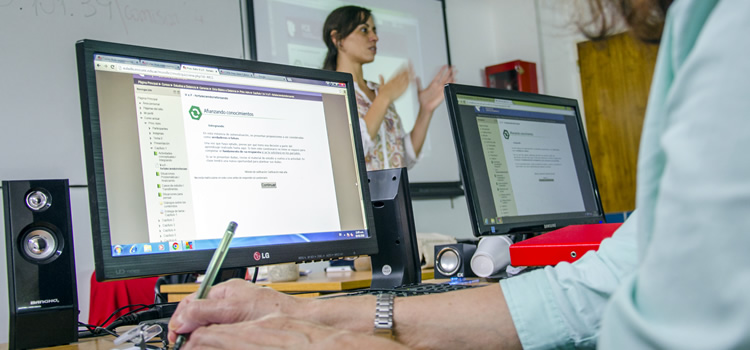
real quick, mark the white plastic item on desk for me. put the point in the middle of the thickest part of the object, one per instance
(492, 255)
(283, 272)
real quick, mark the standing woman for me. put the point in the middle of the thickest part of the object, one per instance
(350, 35)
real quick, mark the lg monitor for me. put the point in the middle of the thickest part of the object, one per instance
(179, 144)
(524, 160)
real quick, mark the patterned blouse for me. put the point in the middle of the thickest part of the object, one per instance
(392, 146)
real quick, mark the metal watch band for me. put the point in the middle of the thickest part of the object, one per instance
(384, 315)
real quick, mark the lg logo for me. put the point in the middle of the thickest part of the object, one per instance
(258, 255)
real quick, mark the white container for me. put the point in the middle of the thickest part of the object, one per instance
(491, 256)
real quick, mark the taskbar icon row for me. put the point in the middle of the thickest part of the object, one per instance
(151, 248)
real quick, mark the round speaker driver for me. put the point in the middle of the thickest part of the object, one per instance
(39, 244)
(448, 261)
(38, 200)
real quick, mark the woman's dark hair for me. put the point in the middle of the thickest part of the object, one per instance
(644, 17)
(344, 20)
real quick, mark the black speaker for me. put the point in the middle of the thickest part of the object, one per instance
(454, 260)
(397, 262)
(41, 269)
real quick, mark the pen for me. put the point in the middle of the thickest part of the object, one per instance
(211, 272)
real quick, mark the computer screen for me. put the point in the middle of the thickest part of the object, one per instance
(179, 144)
(524, 160)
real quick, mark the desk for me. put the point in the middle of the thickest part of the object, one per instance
(307, 286)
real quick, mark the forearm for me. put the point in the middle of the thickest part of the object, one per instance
(475, 318)
(351, 313)
(376, 114)
(419, 132)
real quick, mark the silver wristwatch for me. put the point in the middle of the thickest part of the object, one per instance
(384, 316)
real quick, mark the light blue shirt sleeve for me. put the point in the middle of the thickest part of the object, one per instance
(692, 286)
(677, 275)
(561, 307)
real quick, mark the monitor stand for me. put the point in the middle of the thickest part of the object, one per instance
(397, 262)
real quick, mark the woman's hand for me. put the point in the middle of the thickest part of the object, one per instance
(278, 331)
(230, 302)
(396, 86)
(431, 96)
(429, 99)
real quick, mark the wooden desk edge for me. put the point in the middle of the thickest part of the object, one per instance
(334, 282)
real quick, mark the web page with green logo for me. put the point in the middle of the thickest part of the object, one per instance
(217, 145)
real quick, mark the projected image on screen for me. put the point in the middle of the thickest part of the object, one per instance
(290, 32)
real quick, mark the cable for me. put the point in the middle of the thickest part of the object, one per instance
(153, 312)
(93, 331)
(255, 274)
(114, 313)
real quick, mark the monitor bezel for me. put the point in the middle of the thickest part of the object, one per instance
(470, 187)
(108, 267)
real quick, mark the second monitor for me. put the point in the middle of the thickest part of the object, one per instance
(524, 160)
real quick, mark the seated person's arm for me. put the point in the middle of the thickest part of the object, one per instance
(473, 318)
(558, 306)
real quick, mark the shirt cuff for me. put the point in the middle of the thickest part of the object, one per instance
(410, 157)
(535, 314)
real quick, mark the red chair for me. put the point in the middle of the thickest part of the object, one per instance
(106, 297)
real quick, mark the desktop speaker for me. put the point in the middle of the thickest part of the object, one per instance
(397, 262)
(41, 269)
(454, 260)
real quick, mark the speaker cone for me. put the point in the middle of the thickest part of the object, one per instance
(40, 245)
(448, 261)
(38, 200)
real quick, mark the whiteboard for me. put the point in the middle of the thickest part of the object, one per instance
(291, 31)
(40, 129)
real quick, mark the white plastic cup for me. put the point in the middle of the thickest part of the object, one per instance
(491, 256)
(283, 272)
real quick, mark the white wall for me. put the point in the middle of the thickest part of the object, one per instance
(558, 39)
(481, 33)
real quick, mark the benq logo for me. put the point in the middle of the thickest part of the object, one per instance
(258, 255)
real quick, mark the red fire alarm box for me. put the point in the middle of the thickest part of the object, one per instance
(514, 75)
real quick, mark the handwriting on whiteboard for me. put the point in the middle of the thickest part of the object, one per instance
(128, 12)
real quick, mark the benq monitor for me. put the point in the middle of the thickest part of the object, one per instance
(524, 160)
(179, 144)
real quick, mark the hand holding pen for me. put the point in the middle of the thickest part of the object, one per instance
(211, 272)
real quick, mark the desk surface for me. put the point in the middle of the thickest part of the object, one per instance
(309, 285)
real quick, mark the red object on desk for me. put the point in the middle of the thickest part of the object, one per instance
(106, 297)
(566, 244)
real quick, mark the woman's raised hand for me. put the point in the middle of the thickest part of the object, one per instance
(431, 96)
(395, 87)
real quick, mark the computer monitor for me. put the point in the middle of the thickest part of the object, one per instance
(524, 160)
(179, 144)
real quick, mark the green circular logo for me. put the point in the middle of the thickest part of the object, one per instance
(195, 112)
